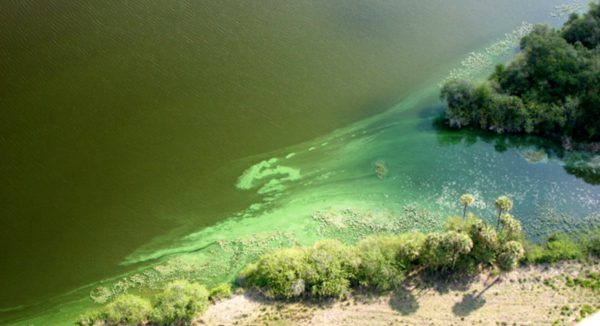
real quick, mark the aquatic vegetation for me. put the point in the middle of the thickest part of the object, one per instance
(477, 62)
(534, 156)
(267, 174)
(567, 9)
(380, 169)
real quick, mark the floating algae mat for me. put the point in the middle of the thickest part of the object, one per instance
(394, 172)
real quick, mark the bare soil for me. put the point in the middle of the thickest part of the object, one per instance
(538, 295)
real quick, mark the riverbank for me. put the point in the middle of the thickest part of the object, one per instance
(531, 295)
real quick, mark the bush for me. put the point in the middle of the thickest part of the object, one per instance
(385, 259)
(558, 247)
(280, 272)
(510, 254)
(592, 243)
(485, 242)
(220, 292)
(511, 228)
(180, 301)
(128, 309)
(331, 266)
(92, 318)
(442, 250)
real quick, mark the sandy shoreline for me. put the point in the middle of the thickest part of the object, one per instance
(537, 295)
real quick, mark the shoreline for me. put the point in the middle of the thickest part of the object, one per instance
(530, 295)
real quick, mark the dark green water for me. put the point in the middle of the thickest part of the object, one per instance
(127, 125)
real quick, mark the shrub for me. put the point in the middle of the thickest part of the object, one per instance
(442, 250)
(220, 292)
(511, 228)
(558, 247)
(92, 318)
(592, 243)
(179, 302)
(485, 242)
(128, 309)
(380, 269)
(331, 265)
(280, 273)
(510, 254)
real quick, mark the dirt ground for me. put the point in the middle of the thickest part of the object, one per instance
(539, 295)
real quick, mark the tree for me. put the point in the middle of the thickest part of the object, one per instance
(509, 257)
(128, 309)
(331, 265)
(511, 227)
(281, 273)
(584, 29)
(485, 242)
(466, 200)
(504, 205)
(179, 302)
(442, 250)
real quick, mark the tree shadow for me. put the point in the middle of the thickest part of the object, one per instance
(404, 301)
(468, 304)
(446, 282)
(471, 301)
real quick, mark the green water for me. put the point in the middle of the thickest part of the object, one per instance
(132, 135)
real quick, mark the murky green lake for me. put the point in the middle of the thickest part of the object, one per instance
(147, 140)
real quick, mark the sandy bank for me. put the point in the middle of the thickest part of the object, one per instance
(539, 295)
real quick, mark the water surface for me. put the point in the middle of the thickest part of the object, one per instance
(128, 125)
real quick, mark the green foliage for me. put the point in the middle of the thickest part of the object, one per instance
(442, 250)
(592, 243)
(510, 228)
(552, 88)
(558, 247)
(326, 269)
(281, 272)
(91, 318)
(220, 292)
(485, 242)
(128, 309)
(180, 301)
(331, 266)
(503, 204)
(466, 200)
(511, 253)
(385, 259)
(584, 29)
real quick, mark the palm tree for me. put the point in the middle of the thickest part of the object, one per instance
(466, 200)
(504, 205)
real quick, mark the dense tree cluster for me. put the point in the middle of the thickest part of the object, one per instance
(331, 268)
(551, 89)
(176, 304)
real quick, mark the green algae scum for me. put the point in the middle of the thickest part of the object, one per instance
(125, 185)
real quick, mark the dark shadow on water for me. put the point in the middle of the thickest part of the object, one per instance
(582, 165)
